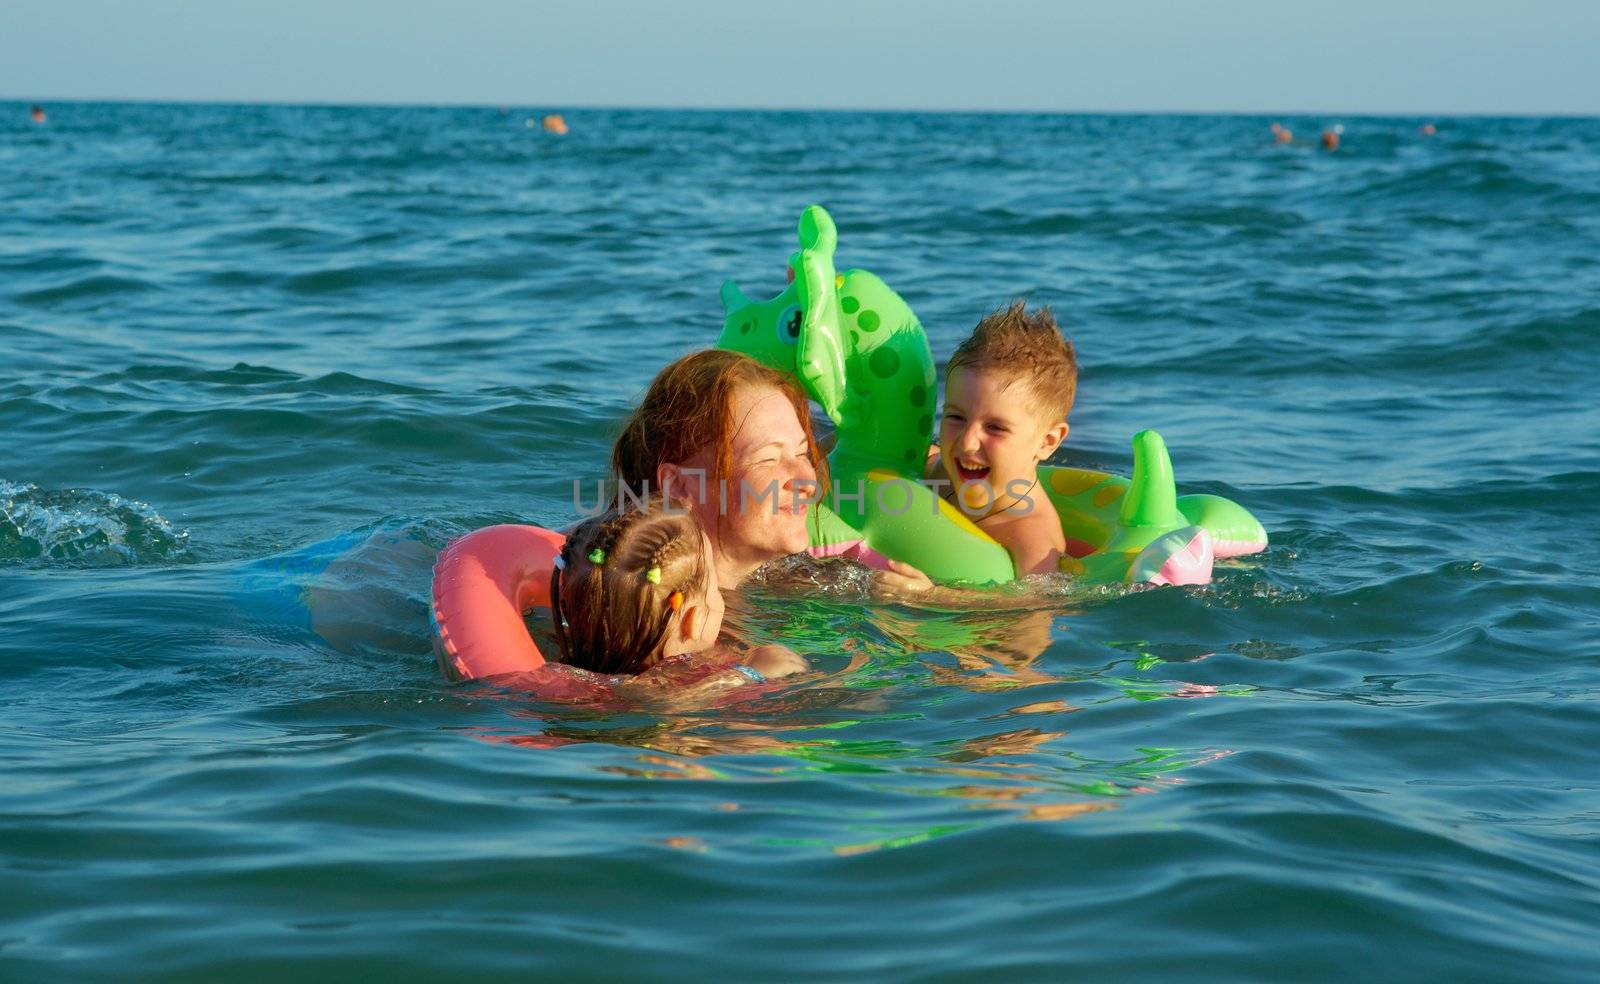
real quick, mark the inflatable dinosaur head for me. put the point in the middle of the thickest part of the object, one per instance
(855, 346)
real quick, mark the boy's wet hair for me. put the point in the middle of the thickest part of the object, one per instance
(611, 595)
(1028, 348)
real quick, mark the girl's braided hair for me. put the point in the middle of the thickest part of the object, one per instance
(611, 594)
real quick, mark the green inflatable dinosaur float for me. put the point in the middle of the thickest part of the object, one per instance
(861, 354)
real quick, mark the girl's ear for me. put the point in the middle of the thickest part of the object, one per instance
(681, 638)
(1053, 436)
(689, 620)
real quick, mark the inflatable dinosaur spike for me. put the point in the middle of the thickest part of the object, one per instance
(732, 297)
(817, 232)
(1152, 497)
(820, 356)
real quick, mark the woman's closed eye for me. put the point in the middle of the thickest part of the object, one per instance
(772, 455)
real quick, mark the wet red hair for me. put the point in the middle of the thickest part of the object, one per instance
(689, 409)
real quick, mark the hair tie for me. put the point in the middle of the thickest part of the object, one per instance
(561, 562)
(597, 556)
(653, 575)
(676, 601)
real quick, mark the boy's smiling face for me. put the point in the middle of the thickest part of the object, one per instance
(992, 433)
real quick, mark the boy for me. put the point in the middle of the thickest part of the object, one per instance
(1008, 390)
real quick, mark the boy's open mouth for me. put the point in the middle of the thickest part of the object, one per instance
(972, 473)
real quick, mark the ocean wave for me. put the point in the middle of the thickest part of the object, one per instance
(1219, 345)
(96, 288)
(1479, 180)
(275, 237)
(49, 261)
(199, 391)
(334, 280)
(1089, 220)
(1461, 508)
(1567, 334)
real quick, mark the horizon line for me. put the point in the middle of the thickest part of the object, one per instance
(949, 111)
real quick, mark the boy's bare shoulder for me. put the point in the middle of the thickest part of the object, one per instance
(1033, 538)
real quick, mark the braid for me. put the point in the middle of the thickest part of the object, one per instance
(666, 556)
(599, 533)
(610, 532)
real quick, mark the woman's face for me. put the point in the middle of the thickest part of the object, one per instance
(761, 515)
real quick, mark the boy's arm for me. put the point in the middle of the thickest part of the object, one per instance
(904, 584)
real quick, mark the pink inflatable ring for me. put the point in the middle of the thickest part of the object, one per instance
(483, 583)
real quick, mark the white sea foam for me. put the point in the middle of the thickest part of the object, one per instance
(84, 526)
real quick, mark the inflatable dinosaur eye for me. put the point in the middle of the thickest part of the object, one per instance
(789, 324)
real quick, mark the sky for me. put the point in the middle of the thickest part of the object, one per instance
(1357, 56)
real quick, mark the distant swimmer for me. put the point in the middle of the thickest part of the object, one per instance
(1428, 129)
(37, 113)
(555, 124)
(1282, 134)
(1330, 137)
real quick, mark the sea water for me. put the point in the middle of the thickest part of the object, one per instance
(237, 340)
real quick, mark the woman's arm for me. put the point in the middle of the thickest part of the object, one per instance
(699, 678)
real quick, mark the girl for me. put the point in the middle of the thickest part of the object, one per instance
(635, 587)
